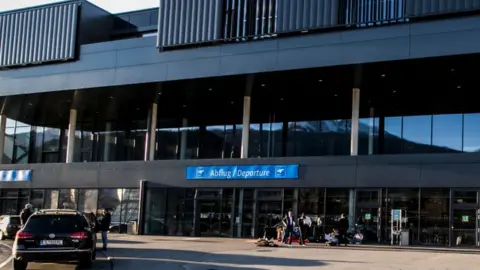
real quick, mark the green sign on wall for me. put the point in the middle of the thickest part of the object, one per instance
(368, 216)
(464, 218)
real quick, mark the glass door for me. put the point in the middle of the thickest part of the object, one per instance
(464, 229)
(209, 215)
(368, 214)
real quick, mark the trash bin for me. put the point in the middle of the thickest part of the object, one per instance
(132, 228)
(405, 237)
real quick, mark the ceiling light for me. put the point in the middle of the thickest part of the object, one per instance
(138, 109)
(335, 95)
(394, 91)
(210, 89)
(110, 97)
(184, 106)
(30, 104)
(232, 102)
(383, 75)
(452, 70)
(320, 80)
(281, 99)
(458, 86)
(159, 93)
(263, 85)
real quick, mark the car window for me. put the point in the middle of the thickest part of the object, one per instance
(54, 223)
(14, 220)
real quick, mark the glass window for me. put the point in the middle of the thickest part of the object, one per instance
(368, 136)
(129, 205)
(167, 143)
(336, 205)
(272, 140)
(54, 223)
(87, 200)
(155, 211)
(434, 216)
(417, 134)
(51, 141)
(177, 223)
(255, 141)
(68, 199)
(447, 133)
(393, 135)
(311, 202)
(22, 144)
(51, 199)
(189, 140)
(110, 199)
(219, 142)
(465, 197)
(408, 201)
(36, 198)
(9, 145)
(471, 132)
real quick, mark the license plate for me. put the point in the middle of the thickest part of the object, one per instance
(51, 243)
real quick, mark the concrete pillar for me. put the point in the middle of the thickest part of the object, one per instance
(108, 138)
(355, 120)
(371, 131)
(183, 139)
(72, 127)
(246, 117)
(151, 134)
(354, 150)
(3, 125)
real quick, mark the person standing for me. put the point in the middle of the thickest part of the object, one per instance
(342, 229)
(289, 222)
(105, 227)
(25, 214)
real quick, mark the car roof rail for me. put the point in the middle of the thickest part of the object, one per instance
(57, 211)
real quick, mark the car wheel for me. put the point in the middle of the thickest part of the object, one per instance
(19, 265)
(87, 262)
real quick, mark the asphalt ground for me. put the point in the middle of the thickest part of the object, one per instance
(172, 253)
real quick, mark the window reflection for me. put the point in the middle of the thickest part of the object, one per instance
(434, 216)
(319, 138)
(447, 133)
(87, 200)
(220, 142)
(417, 133)
(471, 132)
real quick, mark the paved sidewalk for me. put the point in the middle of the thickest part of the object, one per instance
(134, 252)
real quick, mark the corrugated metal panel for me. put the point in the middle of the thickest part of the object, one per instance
(370, 12)
(298, 15)
(249, 18)
(38, 35)
(418, 8)
(183, 22)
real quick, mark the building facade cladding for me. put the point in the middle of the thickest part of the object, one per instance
(438, 192)
(50, 33)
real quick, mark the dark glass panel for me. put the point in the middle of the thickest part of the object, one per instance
(434, 216)
(129, 206)
(393, 135)
(110, 199)
(336, 205)
(465, 197)
(168, 140)
(9, 145)
(408, 201)
(22, 144)
(155, 211)
(37, 198)
(51, 199)
(68, 199)
(417, 134)
(368, 136)
(447, 133)
(471, 132)
(88, 200)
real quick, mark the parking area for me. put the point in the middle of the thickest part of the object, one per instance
(146, 252)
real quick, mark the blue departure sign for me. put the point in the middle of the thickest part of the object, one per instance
(268, 172)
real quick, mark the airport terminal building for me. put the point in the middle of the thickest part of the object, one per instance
(216, 117)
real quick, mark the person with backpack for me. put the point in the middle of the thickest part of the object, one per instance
(25, 214)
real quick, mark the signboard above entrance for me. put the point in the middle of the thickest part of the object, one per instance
(257, 172)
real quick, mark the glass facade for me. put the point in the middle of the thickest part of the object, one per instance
(428, 214)
(124, 203)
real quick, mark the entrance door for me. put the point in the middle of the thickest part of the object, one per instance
(464, 229)
(368, 213)
(209, 218)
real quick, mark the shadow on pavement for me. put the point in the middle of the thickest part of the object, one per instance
(186, 257)
(408, 249)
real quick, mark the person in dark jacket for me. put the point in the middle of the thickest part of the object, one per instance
(25, 214)
(342, 229)
(105, 227)
(289, 222)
